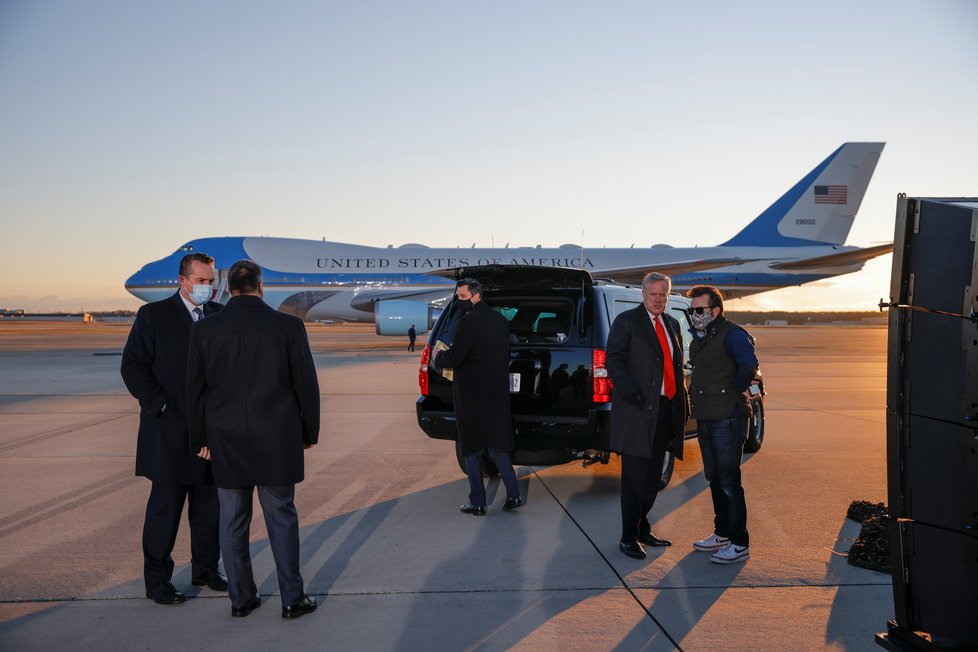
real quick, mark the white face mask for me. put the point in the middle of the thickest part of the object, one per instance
(700, 322)
(201, 294)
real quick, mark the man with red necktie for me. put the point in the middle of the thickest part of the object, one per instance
(649, 406)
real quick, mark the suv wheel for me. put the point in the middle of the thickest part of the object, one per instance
(668, 465)
(755, 427)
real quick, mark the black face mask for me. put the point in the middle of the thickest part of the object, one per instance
(465, 305)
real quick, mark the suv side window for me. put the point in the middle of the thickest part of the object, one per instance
(682, 316)
(619, 306)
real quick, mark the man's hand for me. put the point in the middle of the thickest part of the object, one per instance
(634, 397)
(205, 453)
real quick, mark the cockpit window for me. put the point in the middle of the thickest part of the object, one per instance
(187, 248)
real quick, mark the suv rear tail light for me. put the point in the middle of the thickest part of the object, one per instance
(423, 371)
(602, 383)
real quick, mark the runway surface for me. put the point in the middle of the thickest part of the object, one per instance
(393, 563)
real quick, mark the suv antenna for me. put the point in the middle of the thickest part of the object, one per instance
(582, 248)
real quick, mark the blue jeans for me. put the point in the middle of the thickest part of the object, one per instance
(722, 445)
(473, 468)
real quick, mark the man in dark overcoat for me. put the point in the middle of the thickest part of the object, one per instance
(253, 398)
(649, 406)
(154, 367)
(479, 358)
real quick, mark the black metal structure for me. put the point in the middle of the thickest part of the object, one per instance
(932, 425)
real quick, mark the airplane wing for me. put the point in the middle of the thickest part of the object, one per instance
(368, 300)
(837, 260)
(634, 275)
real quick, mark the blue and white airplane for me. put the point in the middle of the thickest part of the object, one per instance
(800, 238)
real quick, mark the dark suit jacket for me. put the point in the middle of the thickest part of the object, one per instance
(479, 356)
(154, 368)
(634, 360)
(253, 394)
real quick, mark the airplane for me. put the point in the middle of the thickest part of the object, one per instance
(800, 238)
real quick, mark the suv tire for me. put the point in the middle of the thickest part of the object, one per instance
(668, 465)
(755, 427)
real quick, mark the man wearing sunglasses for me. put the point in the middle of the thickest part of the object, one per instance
(724, 363)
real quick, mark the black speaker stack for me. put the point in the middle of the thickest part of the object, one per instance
(932, 425)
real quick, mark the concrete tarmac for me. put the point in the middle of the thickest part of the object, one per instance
(394, 564)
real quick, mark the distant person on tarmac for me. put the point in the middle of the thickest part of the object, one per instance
(412, 335)
(724, 364)
(649, 407)
(253, 403)
(479, 357)
(154, 368)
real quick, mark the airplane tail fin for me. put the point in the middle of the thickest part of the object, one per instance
(819, 209)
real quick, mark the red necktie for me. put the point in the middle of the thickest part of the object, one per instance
(668, 373)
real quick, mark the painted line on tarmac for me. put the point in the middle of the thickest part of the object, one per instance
(61, 504)
(31, 439)
(608, 562)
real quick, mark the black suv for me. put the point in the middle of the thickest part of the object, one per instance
(559, 320)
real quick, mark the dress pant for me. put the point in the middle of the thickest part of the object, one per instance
(163, 510)
(282, 523)
(722, 447)
(640, 477)
(473, 469)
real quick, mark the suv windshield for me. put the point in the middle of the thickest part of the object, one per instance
(532, 319)
(535, 319)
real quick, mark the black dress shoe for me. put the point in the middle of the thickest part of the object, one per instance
(469, 508)
(305, 606)
(632, 549)
(512, 503)
(650, 539)
(212, 579)
(246, 608)
(165, 594)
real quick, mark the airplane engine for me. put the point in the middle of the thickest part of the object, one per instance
(395, 316)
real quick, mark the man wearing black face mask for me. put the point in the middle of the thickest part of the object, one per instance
(724, 364)
(479, 356)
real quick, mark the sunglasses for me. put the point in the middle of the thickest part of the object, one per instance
(702, 309)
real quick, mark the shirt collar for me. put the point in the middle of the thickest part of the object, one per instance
(189, 304)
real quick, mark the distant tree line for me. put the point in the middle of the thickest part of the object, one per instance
(759, 317)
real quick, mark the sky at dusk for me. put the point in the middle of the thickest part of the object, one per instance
(129, 128)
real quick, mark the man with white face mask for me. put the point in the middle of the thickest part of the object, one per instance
(724, 364)
(154, 366)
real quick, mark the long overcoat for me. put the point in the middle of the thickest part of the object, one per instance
(154, 368)
(253, 394)
(479, 356)
(634, 361)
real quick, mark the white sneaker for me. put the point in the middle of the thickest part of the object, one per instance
(731, 554)
(711, 543)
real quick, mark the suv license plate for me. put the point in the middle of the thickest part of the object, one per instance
(514, 383)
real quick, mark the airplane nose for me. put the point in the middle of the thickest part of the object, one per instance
(131, 283)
